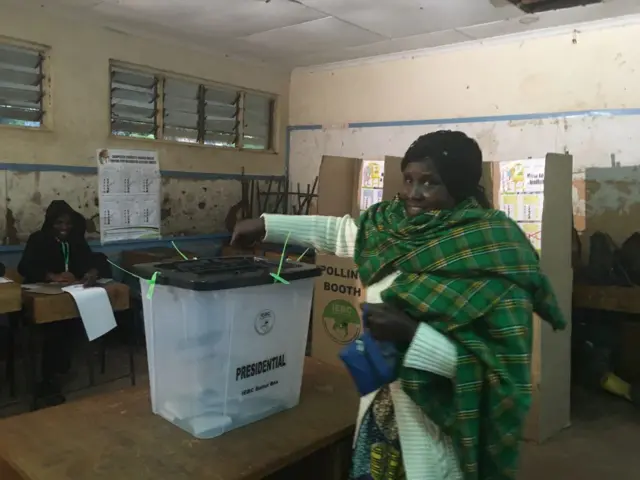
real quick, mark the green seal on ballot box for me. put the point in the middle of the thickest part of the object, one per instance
(341, 321)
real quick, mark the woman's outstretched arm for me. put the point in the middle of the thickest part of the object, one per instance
(327, 234)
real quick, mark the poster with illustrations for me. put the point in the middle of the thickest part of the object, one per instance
(371, 183)
(372, 174)
(129, 193)
(522, 195)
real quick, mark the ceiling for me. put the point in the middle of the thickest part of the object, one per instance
(308, 32)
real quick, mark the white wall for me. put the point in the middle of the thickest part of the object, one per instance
(520, 98)
(502, 92)
(508, 76)
(78, 124)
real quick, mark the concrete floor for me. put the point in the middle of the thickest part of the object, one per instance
(600, 445)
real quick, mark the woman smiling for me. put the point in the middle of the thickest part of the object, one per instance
(454, 284)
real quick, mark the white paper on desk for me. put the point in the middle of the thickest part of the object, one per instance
(95, 309)
(5, 280)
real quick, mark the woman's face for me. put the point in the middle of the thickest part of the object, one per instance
(62, 226)
(423, 189)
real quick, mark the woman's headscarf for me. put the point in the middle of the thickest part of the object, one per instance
(457, 158)
(58, 208)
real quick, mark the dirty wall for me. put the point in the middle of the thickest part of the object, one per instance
(606, 185)
(188, 206)
(574, 88)
(77, 122)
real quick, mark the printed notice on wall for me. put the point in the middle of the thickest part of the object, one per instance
(522, 195)
(129, 186)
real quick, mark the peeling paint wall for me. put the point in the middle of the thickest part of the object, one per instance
(189, 207)
(489, 90)
(192, 207)
(605, 197)
(77, 124)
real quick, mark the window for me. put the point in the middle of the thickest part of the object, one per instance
(21, 86)
(134, 104)
(195, 113)
(181, 111)
(258, 120)
(189, 112)
(221, 110)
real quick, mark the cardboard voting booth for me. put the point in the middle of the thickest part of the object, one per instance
(536, 193)
(346, 186)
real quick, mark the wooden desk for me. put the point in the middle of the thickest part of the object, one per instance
(10, 297)
(115, 436)
(43, 308)
(610, 298)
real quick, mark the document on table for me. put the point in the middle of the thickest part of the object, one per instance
(95, 309)
(5, 280)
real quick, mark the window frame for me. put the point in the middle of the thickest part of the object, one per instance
(156, 102)
(161, 77)
(272, 119)
(43, 51)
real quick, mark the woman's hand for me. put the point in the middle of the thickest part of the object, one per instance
(388, 324)
(64, 277)
(248, 232)
(90, 278)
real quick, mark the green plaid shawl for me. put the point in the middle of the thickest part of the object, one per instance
(472, 274)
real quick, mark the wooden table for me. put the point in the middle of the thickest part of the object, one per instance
(609, 298)
(115, 436)
(621, 300)
(44, 308)
(10, 297)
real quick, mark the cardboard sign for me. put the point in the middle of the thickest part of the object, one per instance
(338, 293)
(337, 319)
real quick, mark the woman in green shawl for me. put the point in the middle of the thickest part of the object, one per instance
(454, 284)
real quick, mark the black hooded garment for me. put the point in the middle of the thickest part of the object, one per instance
(43, 253)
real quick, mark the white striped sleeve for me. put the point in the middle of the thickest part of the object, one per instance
(327, 234)
(432, 351)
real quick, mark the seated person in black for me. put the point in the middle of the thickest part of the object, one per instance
(59, 253)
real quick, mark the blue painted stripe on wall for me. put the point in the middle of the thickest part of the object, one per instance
(294, 128)
(36, 167)
(216, 176)
(483, 119)
(500, 118)
(146, 243)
